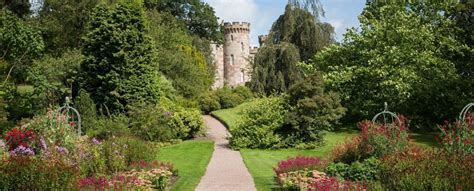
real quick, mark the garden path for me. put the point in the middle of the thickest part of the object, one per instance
(226, 170)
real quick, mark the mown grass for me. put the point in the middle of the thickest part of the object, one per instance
(190, 158)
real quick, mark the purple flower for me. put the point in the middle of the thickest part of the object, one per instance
(21, 150)
(95, 141)
(61, 150)
(43, 145)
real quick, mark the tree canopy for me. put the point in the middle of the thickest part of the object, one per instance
(398, 56)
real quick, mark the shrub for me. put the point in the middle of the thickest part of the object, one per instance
(87, 108)
(258, 124)
(150, 123)
(421, 169)
(299, 163)
(189, 122)
(366, 170)
(115, 155)
(347, 152)
(228, 99)
(458, 137)
(381, 139)
(104, 127)
(244, 92)
(55, 128)
(137, 149)
(209, 102)
(312, 110)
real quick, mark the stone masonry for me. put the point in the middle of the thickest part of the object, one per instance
(233, 58)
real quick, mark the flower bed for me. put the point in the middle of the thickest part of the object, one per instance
(47, 154)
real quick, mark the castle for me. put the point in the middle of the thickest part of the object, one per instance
(233, 58)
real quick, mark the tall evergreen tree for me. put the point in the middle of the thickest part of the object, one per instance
(120, 63)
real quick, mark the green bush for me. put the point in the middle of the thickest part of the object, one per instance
(90, 156)
(228, 99)
(137, 149)
(357, 171)
(209, 102)
(104, 127)
(87, 108)
(244, 92)
(165, 122)
(258, 124)
(312, 110)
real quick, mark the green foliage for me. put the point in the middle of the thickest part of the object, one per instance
(63, 23)
(137, 149)
(56, 129)
(209, 102)
(227, 98)
(275, 69)
(104, 127)
(165, 122)
(120, 62)
(184, 64)
(398, 55)
(55, 78)
(198, 17)
(20, 105)
(366, 170)
(20, 7)
(457, 137)
(311, 111)
(258, 125)
(300, 28)
(244, 92)
(87, 109)
(19, 43)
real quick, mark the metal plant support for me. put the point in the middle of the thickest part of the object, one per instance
(67, 109)
(384, 113)
(465, 111)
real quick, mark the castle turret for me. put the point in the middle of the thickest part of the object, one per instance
(236, 53)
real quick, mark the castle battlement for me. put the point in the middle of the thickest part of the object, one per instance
(253, 50)
(237, 27)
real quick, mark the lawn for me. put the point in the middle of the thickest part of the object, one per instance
(190, 158)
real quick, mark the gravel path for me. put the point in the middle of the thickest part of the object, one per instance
(226, 171)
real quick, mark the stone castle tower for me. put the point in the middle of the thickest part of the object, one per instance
(233, 58)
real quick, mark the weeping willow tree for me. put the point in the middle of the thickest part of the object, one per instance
(276, 69)
(296, 36)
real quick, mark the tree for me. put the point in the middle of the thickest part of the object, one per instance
(396, 57)
(21, 8)
(198, 17)
(19, 43)
(301, 28)
(179, 59)
(120, 62)
(275, 69)
(311, 111)
(63, 23)
(313, 6)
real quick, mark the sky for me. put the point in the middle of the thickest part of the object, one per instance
(261, 14)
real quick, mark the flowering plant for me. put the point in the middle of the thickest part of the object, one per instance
(19, 137)
(299, 163)
(381, 139)
(313, 180)
(457, 137)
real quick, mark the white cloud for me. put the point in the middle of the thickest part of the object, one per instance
(260, 18)
(231, 10)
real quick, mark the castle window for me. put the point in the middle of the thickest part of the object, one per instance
(242, 76)
(242, 43)
(232, 59)
(232, 37)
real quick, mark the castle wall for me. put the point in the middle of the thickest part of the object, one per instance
(233, 58)
(236, 53)
(218, 54)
